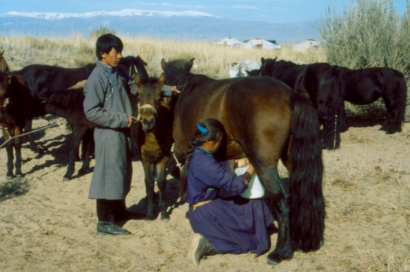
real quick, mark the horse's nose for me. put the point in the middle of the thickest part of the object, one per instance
(148, 123)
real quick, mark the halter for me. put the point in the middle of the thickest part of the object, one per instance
(145, 106)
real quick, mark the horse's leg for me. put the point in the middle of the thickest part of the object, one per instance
(17, 148)
(72, 155)
(279, 205)
(30, 137)
(86, 152)
(162, 184)
(149, 187)
(10, 158)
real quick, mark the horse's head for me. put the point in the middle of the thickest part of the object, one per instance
(174, 69)
(3, 63)
(150, 97)
(5, 81)
(267, 67)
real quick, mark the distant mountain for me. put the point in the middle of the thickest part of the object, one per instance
(188, 25)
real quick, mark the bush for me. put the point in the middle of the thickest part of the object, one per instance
(101, 30)
(369, 33)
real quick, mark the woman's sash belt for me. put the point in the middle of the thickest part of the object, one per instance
(195, 205)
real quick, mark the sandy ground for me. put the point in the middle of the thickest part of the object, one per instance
(50, 225)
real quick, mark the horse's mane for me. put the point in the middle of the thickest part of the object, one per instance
(180, 71)
(139, 63)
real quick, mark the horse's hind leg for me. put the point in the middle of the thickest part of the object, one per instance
(17, 148)
(30, 138)
(162, 184)
(86, 152)
(72, 155)
(279, 198)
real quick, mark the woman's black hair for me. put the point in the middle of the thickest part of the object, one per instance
(106, 42)
(207, 130)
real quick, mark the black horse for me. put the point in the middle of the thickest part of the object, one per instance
(44, 79)
(364, 86)
(69, 105)
(323, 84)
(265, 130)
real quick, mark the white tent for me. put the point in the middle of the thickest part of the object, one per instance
(305, 45)
(263, 44)
(230, 42)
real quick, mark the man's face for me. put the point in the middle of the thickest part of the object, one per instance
(112, 58)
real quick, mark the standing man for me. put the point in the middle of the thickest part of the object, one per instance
(107, 104)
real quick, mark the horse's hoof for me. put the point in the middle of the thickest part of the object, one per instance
(272, 262)
(150, 217)
(9, 177)
(19, 176)
(165, 218)
(66, 179)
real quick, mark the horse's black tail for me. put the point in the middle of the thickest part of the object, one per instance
(333, 124)
(307, 205)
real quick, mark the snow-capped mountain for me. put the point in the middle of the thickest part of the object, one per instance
(121, 13)
(187, 25)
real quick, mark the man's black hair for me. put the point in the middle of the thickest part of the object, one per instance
(106, 42)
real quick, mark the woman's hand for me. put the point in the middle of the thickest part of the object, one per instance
(251, 170)
(242, 162)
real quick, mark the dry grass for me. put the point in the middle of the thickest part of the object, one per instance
(76, 51)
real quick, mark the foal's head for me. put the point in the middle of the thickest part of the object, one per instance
(150, 97)
(268, 66)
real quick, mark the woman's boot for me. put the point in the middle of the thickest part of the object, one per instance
(200, 247)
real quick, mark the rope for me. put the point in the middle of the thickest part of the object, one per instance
(179, 165)
(27, 133)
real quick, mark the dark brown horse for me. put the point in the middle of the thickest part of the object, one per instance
(364, 86)
(152, 136)
(69, 105)
(323, 84)
(17, 108)
(265, 121)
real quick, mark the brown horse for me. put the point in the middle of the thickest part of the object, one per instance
(264, 121)
(17, 108)
(152, 136)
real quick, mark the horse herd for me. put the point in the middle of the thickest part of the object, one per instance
(273, 116)
(329, 86)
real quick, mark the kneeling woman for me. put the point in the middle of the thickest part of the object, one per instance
(221, 224)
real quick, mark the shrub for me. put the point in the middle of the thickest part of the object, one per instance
(101, 30)
(369, 33)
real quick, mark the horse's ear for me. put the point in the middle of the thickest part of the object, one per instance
(1, 54)
(274, 60)
(163, 64)
(263, 60)
(161, 80)
(9, 76)
(191, 62)
(138, 80)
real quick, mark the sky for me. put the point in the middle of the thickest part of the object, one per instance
(272, 11)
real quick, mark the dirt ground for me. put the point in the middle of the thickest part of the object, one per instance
(50, 225)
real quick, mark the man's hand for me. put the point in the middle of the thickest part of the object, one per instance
(129, 121)
(175, 90)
